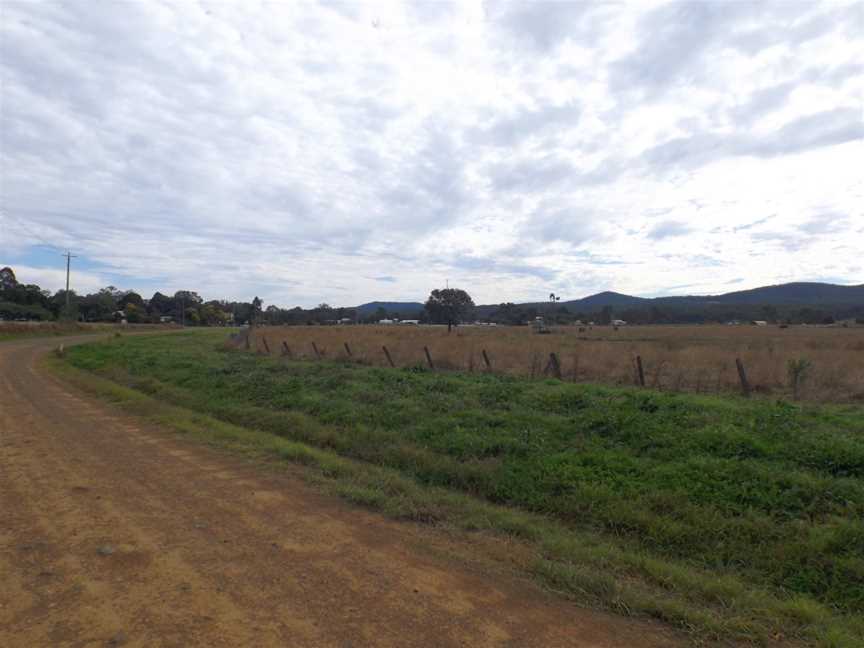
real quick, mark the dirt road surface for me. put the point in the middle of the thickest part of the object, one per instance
(113, 532)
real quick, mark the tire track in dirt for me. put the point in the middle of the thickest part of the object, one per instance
(116, 530)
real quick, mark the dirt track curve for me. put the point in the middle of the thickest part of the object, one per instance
(118, 533)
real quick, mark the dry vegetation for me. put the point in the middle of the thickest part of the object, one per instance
(16, 330)
(678, 358)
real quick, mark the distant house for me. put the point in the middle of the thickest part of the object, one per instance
(411, 322)
(386, 321)
(619, 323)
(759, 323)
(166, 319)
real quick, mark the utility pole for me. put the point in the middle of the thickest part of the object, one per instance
(69, 258)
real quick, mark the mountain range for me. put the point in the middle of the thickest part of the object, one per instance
(788, 294)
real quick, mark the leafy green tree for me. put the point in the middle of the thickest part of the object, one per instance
(128, 298)
(449, 306)
(135, 314)
(508, 313)
(160, 305)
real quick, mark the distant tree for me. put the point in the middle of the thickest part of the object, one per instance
(449, 305)
(272, 314)
(657, 316)
(128, 298)
(770, 313)
(135, 314)
(160, 305)
(97, 307)
(605, 315)
(188, 297)
(508, 313)
(59, 308)
(255, 311)
(7, 279)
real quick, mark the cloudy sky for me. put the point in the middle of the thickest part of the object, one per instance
(345, 152)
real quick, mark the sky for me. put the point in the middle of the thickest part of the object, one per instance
(345, 152)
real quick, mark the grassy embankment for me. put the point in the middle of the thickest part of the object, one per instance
(731, 519)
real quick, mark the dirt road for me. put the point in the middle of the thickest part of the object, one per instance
(117, 533)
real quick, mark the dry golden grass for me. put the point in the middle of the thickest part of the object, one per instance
(15, 330)
(680, 358)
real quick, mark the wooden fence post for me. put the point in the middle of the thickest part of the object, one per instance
(286, 350)
(640, 372)
(317, 352)
(428, 357)
(486, 360)
(266, 346)
(742, 376)
(348, 350)
(387, 353)
(554, 365)
(246, 340)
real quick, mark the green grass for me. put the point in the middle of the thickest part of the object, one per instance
(729, 518)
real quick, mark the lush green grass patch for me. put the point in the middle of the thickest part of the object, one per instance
(732, 518)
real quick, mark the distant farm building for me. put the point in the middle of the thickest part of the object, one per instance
(760, 323)
(619, 323)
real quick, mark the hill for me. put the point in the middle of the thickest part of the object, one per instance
(797, 293)
(832, 299)
(809, 293)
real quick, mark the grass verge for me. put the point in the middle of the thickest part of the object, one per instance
(611, 489)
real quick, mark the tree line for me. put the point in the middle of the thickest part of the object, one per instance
(443, 306)
(19, 301)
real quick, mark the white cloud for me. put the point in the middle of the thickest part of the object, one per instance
(304, 151)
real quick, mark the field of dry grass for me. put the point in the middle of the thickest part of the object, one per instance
(16, 330)
(677, 358)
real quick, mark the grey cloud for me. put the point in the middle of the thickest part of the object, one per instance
(764, 101)
(824, 224)
(755, 223)
(551, 223)
(668, 229)
(501, 267)
(543, 26)
(673, 38)
(510, 130)
(385, 279)
(530, 175)
(791, 242)
(805, 133)
(426, 187)
(676, 38)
